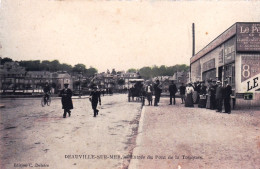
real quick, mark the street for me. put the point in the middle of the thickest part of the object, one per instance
(125, 135)
(36, 135)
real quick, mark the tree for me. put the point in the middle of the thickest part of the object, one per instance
(54, 65)
(91, 71)
(6, 59)
(79, 68)
(113, 72)
(45, 65)
(132, 70)
(146, 72)
(65, 67)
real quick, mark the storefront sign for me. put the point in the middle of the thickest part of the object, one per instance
(250, 66)
(229, 51)
(220, 58)
(248, 37)
(208, 65)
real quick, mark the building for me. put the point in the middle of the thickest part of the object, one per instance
(233, 57)
(12, 77)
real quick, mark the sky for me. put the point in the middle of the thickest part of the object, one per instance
(115, 34)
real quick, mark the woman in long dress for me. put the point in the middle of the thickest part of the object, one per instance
(208, 95)
(189, 99)
(203, 91)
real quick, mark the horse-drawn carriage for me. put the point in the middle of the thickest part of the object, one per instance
(136, 92)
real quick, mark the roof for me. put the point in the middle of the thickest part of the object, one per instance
(230, 32)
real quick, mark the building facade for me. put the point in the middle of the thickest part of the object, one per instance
(234, 58)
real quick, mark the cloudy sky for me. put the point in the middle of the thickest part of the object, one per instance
(115, 34)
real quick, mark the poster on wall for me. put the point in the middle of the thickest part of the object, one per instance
(250, 72)
(248, 37)
(84, 85)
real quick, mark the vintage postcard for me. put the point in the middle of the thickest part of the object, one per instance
(129, 84)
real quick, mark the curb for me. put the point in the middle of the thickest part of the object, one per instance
(134, 163)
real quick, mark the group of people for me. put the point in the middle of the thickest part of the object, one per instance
(66, 98)
(210, 96)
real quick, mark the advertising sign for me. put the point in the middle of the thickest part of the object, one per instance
(250, 66)
(248, 37)
(250, 72)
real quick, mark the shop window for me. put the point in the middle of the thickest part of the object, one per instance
(229, 74)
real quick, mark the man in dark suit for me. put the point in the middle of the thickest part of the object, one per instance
(213, 89)
(172, 90)
(227, 97)
(219, 96)
(95, 98)
(66, 100)
(157, 92)
(182, 93)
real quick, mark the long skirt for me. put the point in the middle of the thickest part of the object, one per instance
(202, 103)
(208, 102)
(149, 96)
(189, 101)
(195, 97)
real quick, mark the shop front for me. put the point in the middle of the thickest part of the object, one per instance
(234, 58)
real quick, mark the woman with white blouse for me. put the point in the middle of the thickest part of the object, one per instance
(189, 99)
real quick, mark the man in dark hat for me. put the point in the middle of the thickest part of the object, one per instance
(66, 100)
(212, 90)
(157, 92)
(227, 97)
(95, 98)
(47, 92)
(172, 90)
(182, 93)
(219, 96)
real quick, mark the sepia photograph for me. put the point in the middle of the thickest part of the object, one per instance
(130, 84)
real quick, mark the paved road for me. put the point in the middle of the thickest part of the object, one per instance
(125, 137)
(177, 137)
(35, 135)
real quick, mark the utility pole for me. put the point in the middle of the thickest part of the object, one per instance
(193, 45)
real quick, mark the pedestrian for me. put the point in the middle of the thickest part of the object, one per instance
(172, 90)
(157, 92)
(195, 93)
(95, 98)
(227, 97)
(66, 100)
(182, 93)
(219, 96)
(208, 94)
(47, 92)
(202, 95)
(189, 93)
(213, 88)
(149, 94)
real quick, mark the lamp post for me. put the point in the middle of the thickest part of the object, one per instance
(79, 75)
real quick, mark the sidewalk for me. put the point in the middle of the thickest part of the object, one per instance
(177, 137)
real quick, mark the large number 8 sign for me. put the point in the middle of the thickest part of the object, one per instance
(246, 71)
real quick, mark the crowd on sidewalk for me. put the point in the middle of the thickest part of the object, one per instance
(210, 95)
